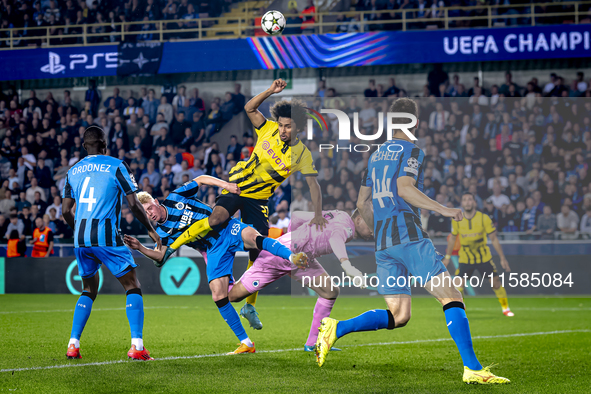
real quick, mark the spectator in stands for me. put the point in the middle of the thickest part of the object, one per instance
(150, 105)
(228, 108)
(178, 127)
(15, 224)
(7, 203)
(166, 109)
(151, 175)
(57, 205)
(547, 223)
(196, 101)
(119, 102)
(43, 175)
(586, 221)
(371, 91)
(131, 226)
(33, 189)
(180, 102)
(567, 222)
(438, 225)
(238, 98)
(214, 121)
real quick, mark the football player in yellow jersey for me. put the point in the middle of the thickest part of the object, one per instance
(278, 153)
(474, 253)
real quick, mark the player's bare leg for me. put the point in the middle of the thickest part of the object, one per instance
(81, 314)
(134, 308)
(441, 287)
(219, 294)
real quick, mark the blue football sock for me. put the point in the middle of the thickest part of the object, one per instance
(81, 315)
(459, 328)
(231, 317)
(376, 319)
(134, 308)
(273, 246)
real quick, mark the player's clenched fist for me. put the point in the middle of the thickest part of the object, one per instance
(232, 188)
(278, 85)
(454, 213)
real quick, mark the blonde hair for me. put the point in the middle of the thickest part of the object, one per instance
(144, 197)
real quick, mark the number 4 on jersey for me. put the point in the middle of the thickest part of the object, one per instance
(90, 200)
(382, 190)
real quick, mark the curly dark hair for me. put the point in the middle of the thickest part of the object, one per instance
(406, 105)
(294, 109)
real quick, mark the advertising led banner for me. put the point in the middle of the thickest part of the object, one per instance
(442, 46)
(96, 61)
(312, 51)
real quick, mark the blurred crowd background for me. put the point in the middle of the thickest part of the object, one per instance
(523, 151)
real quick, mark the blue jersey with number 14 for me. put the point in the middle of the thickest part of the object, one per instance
(98, 184)
(395, 220)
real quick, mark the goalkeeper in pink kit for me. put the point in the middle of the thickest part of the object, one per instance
(267, 268)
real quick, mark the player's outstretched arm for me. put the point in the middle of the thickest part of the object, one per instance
(337, 242)
(409, 193)
(365, 205)
(156, 254)
(140, 214)
(252, 107)
(211, 181)
(497, 245)
(316, 196)
(68, 211)
(450, 248)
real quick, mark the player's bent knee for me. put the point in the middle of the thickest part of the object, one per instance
(218, 216)
(401, 319)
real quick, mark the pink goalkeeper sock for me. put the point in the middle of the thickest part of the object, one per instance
(321, 310)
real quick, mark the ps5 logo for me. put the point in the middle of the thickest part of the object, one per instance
(79, 60)
(54, 66)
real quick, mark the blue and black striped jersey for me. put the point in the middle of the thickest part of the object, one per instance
(395, 221)
(98, 184)
(183, 209)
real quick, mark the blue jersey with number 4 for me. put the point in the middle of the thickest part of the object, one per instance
(395, 220)
(98, 184)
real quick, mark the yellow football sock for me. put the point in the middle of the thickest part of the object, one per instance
(502, 296)
(251, 299)
(197, 230)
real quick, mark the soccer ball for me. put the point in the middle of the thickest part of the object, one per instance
(273, 22)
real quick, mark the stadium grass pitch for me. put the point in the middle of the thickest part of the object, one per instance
(543, 349)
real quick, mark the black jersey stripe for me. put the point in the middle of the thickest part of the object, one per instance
(385, 232)
(378, 228)
(258, 189)
(395, 232)
(420, 226)
(108, 233)
(81, 231)
(187, 193)
(123, 182)
(94, 224)
(411, 227)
